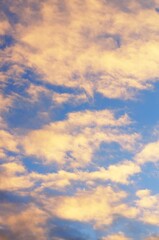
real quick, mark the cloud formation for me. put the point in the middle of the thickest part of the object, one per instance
(75, 139)
(75, 78)
(99, 46)
(98, 206)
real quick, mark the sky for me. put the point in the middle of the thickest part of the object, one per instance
(79, 120)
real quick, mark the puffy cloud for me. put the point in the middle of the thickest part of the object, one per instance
(122, 171)
(14, 177)
(119, 236)
(75, 139)
(148, 206)
(98, 206)
(23, 222)
(149, 153)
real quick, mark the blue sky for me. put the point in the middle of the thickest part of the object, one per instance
(79, 120)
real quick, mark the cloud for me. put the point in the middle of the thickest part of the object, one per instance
(148, 207)
(152, 238)
(57, 56)
(149, 153)
(8, 142)
(69, 98)
(98, 206)
(5, 102)
(34, 91)
(75, 139)
(23, 222)
(119, 236)
(80, 46)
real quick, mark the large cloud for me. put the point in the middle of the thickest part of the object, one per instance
(99, 46)
(148, 206)
(75, 139)
(98, 206)
(149, 153)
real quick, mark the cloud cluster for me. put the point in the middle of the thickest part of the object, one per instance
(149, 153)
(75, 139)
(119, 236)
(148, 206)
(98, 206)
(22, 222)
(104, 47)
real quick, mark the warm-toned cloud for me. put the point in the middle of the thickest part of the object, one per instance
(98, 206)
(148, 205)
(119, 173)
(69, 98)
(95, 45)
(119, 236)
(14, 177)
(7, 142)
(34, 91)
(75, 139)
(5, 102)
(149, 153)
(84, 48)
(23, 221)
(152, 238)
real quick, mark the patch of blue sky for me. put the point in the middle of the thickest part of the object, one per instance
(71, 230)
(110, 153)
(144, 110)
(6, 41)
(36, 165)
(13, 197)
(149, 178)
(27, 114)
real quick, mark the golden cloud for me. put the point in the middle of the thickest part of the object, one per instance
(75, 139)
(98, 206)
(95, 45)
(119, 236)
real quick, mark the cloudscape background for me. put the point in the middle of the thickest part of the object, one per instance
(79, 120)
